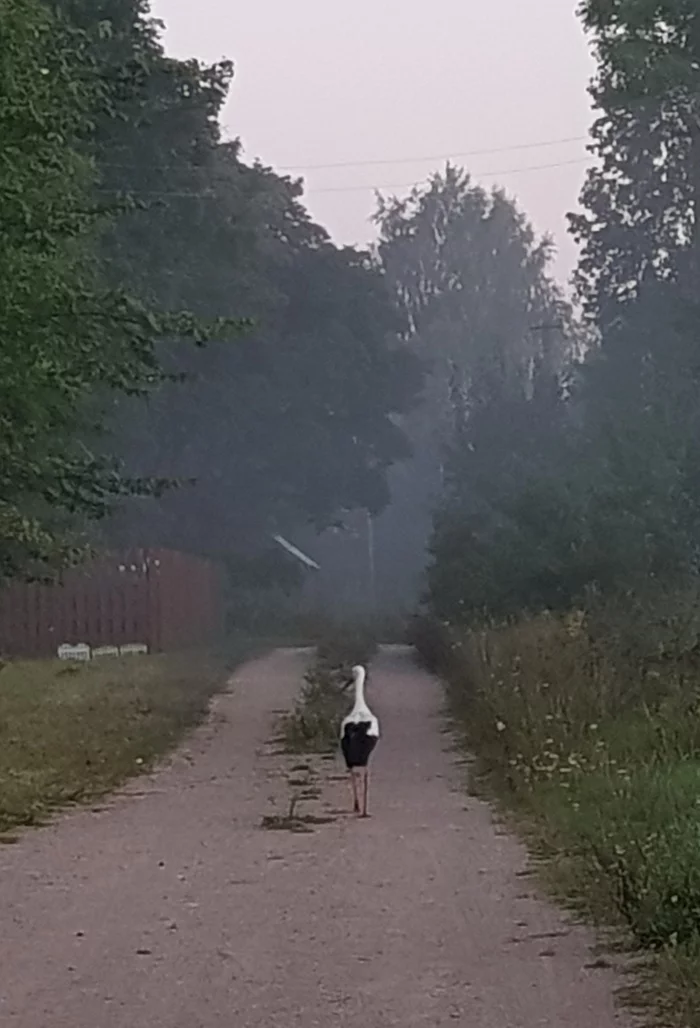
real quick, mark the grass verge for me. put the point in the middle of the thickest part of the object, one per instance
(596, 751)
(72, 732)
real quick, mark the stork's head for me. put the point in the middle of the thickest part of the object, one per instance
(358, 673)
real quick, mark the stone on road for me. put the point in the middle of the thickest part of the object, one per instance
(173, 907)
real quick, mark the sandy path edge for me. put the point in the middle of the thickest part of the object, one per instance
(172, 907)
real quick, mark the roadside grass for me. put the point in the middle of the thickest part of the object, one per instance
(312, 724)
(595, 752)
(70, 732)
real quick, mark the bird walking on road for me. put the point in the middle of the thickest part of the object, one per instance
(359, 733)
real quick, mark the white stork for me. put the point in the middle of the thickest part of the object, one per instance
(359, 733)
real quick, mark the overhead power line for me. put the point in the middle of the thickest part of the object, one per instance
(203, 194)
(475, 174)
(386, 161)
(433, 157)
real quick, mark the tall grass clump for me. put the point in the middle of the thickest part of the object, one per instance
(589, 726)
(312, 724)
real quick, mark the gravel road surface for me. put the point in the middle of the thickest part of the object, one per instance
(172, 906)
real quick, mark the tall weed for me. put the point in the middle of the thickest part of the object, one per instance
(591, 728)
(312, 725)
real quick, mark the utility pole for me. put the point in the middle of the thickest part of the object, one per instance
(371, 562)
(546, 330)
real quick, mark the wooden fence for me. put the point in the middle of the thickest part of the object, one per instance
(163, 598)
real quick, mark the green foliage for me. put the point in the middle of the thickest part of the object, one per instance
(120, 206)
(297, 425)
(294, 422)
(69, 342)
(597, 746)
(49, 357)
(313, 724)
(639, 226)
(69, 733)
(588, 480)
(510, 519)
(638, 272)
(471, 280)
(641, 831)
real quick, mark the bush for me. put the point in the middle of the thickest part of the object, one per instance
(432, 643)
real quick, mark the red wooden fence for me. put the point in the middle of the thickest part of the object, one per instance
(168, 600)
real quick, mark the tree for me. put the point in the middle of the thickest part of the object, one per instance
(608, 497)
(640, 224)
(294, 423)
(470, 278)
(297, 424)
(466, 269)
(68, 343)
(640, 272)
(155, 142)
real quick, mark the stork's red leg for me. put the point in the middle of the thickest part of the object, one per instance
(365, 791)
(355, 792)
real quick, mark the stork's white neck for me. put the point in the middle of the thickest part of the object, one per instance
(359, 675)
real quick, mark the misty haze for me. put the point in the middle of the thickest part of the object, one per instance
(350, 493)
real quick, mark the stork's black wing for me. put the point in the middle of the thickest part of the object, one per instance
(356, 744)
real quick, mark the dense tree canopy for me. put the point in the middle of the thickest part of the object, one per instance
(68, 339)
(639, 220)
(294, 422)
(599, 487)
(122, 208)
(446, 365)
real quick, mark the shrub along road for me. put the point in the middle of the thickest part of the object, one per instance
(173, 906)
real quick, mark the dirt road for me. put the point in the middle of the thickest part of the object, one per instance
(173, 908)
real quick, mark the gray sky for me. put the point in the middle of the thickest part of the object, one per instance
(320, 82)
